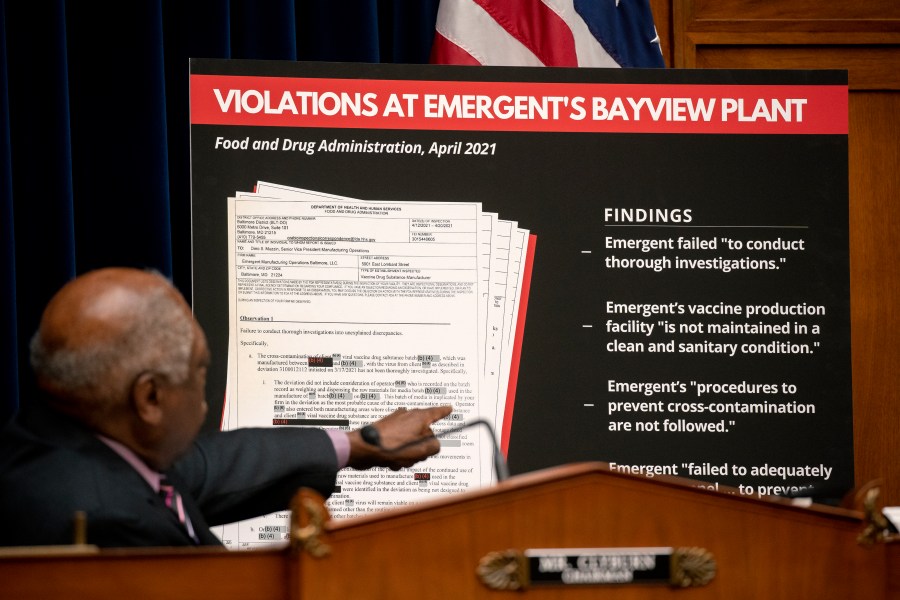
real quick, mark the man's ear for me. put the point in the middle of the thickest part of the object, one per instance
(146, 398)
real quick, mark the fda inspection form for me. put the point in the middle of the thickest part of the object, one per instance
(342, 311)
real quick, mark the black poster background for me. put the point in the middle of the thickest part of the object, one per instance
(557, 185)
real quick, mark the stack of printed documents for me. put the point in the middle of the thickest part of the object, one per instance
(343, 310)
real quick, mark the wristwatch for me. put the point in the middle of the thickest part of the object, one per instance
(370, 435)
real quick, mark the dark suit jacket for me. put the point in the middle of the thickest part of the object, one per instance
(51, 467)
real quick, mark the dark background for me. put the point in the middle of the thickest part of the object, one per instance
(95, 135)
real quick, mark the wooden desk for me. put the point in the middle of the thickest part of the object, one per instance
(762, 548)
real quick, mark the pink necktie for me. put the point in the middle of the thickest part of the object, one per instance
(173, 500)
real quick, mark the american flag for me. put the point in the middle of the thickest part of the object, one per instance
(561, 33)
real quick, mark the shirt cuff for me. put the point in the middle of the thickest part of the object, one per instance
(341, 446)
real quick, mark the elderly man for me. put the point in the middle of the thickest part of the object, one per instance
(121, 363)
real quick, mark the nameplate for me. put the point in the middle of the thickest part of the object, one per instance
(676, 567)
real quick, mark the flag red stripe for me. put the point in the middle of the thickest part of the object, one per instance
(537, 27)
(445, 52)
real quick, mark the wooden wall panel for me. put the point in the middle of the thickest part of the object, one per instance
(875, 285)
(869, 67)
(793, 10)
(662, 16)
(864, 39)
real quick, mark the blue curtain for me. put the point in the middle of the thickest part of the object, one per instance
(95, 147)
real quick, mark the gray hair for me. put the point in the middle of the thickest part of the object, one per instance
(158, 336)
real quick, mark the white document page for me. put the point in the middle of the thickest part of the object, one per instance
(487, 240)
(496, 305)
(515, 280)
(493, 241)
(491, 238)
(343, 311)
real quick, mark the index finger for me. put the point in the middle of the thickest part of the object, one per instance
(434, 413)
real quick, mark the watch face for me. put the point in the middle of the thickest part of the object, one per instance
(370, 435)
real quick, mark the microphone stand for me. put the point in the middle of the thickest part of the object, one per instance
(500, 467)
(370, 435)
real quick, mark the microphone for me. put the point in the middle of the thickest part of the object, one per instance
(500, 467)
(370, 435)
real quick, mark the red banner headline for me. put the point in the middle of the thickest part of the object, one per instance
(518, 106)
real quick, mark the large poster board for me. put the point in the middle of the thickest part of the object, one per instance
(689, 296)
